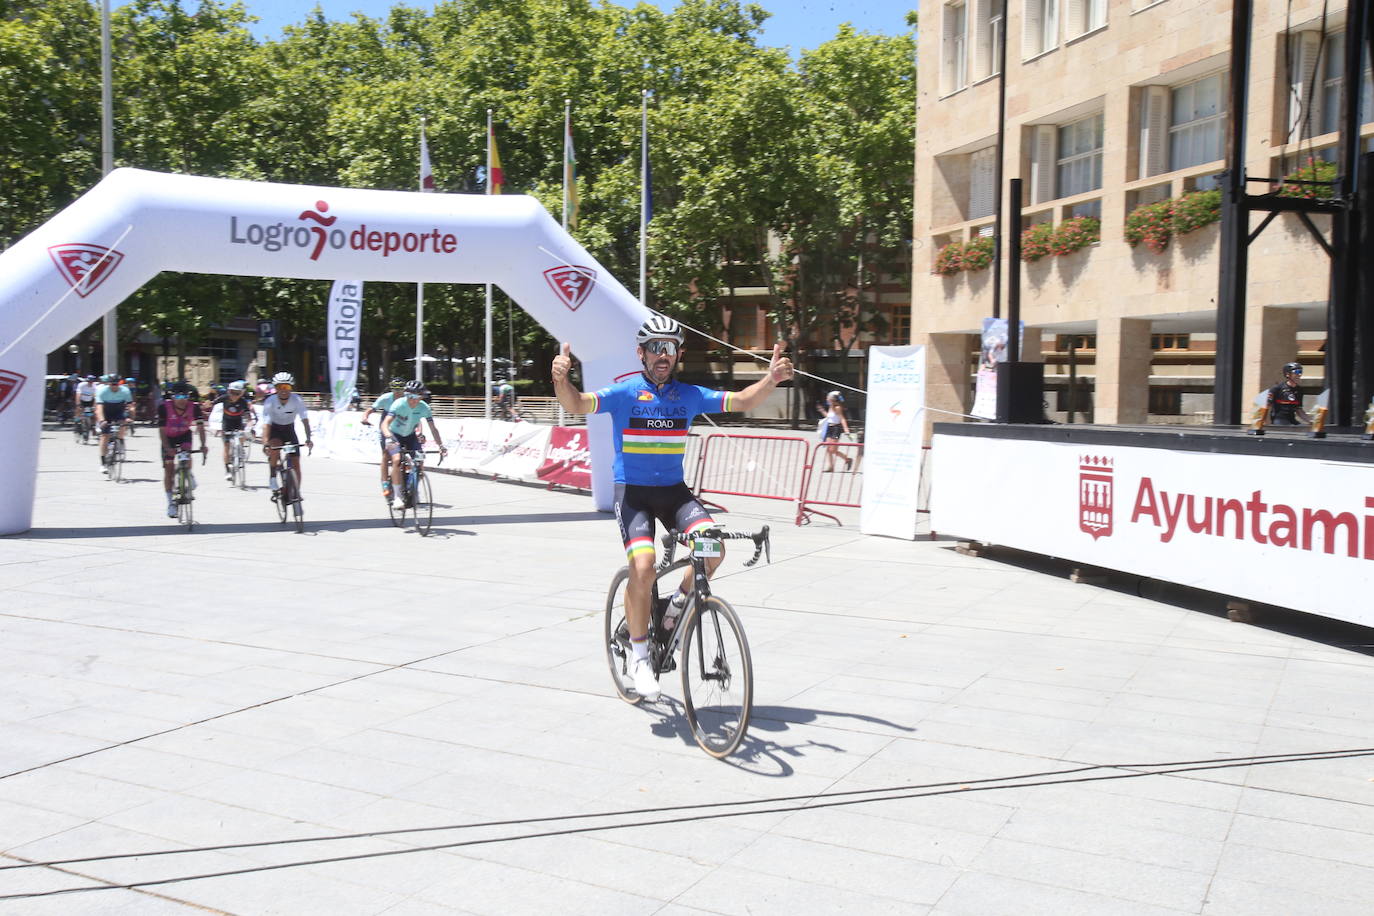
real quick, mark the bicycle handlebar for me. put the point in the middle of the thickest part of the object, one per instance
(762, 543)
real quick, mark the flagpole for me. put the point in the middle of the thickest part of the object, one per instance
(567, 132)
(644, 198)
(486, 391)
(110, 324)
(420, 287)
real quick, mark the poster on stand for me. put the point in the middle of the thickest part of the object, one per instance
(892, 441)
(992, 352)
(568, 461)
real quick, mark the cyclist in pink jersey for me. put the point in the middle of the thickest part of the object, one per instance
(176, 417)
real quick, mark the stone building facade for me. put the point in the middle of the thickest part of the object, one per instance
(1112, 105)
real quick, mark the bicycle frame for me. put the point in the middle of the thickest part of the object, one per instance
(701, 583)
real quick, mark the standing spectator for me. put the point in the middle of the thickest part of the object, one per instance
(835, 420)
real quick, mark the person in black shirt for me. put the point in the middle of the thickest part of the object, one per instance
(1285, 400)
(236, 413)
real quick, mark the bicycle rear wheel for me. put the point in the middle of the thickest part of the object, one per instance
(291, 498)
(422, 506)
(616, 630)
(717, 677)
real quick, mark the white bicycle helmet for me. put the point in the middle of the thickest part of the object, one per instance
(659, 327)
(284, 378)
(240, 385)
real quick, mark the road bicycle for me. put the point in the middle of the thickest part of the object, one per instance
(717, 672)
(81, 429)
(287, 496)
(419, 501)
(184, 487)
(114, 452)
(238, 458)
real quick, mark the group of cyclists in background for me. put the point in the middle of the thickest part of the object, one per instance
(111, 404)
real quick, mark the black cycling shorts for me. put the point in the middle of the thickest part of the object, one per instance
(176, 444)
(231, 424)
(114, 413)
(637, 507)
(409, 442)
(282, 432)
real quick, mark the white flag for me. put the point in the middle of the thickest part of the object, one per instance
(345, 342)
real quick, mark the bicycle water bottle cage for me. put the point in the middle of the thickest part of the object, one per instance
(706, 547)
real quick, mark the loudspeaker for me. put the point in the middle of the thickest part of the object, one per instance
(1021, 393)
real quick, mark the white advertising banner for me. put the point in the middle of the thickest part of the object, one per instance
(892, 441)
(1293, 532)
(345, 350)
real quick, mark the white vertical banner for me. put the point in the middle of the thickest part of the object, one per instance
(892, 441)
(345, 350)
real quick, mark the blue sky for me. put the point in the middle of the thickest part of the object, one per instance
(797, 24)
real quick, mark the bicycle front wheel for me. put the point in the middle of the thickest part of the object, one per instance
(283, 495)
(422, 509)
(185, 501)
(117, 460)
(717, 677)
(293, 499)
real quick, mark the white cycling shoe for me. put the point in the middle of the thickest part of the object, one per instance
(398, 503)
(646, 685)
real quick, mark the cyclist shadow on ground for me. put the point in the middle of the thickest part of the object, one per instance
(754, 752)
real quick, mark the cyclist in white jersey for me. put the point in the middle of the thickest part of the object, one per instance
(280, 411)
(652, 413)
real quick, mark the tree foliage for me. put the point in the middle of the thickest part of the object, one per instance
(796, 173)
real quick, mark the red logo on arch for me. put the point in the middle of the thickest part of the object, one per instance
(84, 266)
(10, 383)
(572, 284)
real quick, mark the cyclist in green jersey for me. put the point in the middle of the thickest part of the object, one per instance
(400, 431)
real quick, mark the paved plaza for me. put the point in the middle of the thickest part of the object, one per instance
(357, 720)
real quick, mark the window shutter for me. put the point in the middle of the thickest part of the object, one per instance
(1043, 162)
(1051, 39)
(1154, 130)
(1305, 91)
(982, 172)
(1032, 26)
(1077, 22)
(983, 64)
(947, 83)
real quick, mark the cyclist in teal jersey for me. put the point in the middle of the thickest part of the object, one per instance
(651, 414)
(399, 432)
(112, 400)
(381, 405)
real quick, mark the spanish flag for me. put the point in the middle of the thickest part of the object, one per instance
(496, 179)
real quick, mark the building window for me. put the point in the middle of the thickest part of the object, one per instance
(1197, 122)
(901, 325)
(1333, 68)
(1166, 402)
(1168, 341)
(982, 195)
(1039, 27)
(1079, 164)
(1086, 15)
(1062, 342)
(955, 49)
(989, 21)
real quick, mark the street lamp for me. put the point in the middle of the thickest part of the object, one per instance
(74, 350)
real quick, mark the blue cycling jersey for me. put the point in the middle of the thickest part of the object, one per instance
(406, 419)
(651, 425)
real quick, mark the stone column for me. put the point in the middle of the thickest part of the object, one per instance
(1123, 370)
(1271, 339)
(948, 369)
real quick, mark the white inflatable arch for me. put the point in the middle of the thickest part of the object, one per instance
(133, 224)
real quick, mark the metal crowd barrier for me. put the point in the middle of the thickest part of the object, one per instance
(836, 484)
(764, 467)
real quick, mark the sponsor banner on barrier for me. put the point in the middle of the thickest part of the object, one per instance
(568, 461)
(892, 441)
(1293, 532)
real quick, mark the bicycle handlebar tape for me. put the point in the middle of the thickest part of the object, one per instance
(134, 224)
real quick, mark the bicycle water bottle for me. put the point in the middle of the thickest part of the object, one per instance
(673, 611)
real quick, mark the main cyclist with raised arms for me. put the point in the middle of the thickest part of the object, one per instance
(652, 413)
